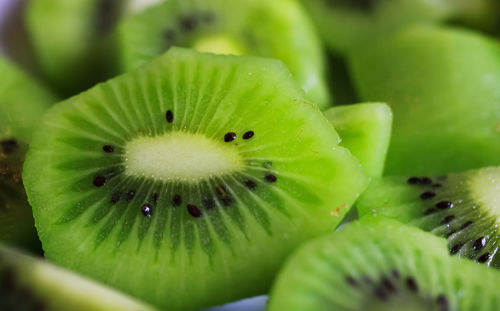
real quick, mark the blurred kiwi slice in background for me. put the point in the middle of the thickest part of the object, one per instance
(276, 29)
(188, 171)
(22, 104)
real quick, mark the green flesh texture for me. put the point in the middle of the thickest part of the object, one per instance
(442, 86)
(377, 264)
(22, 104)
(73, 41)
(365, 129)
(32, 284)
(470, 224)
(347, 25)
(276, 29)
(180, 257)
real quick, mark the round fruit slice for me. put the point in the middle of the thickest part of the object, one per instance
(22, 104)
(27, 283)
(460, 207)
(382, 265)
(188, 181)
(365, 129)
(277, 29)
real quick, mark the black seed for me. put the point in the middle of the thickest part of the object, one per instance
(456, 248)
(479, 243)
(427, 195)
(465, 225)
(251, 184)
(194, 210)
(208, 203)
(452, 232)
(411, 284)
(271, 178)
(169, 116)
(155, 197)
(444, 205)
(227, 201)
(351, 281)
(425, 181)
(436, 185)
(115, 197)
(395, 273)
(9, 146)
(387, 284)
(130, 195)
(169, 35)
(381, 293)
(430, 211)
(442, 302)
(447, 219)
(146, 210)
(248, 135)
(414, 180)
(99, 181)
(223, 195)
(229, 137)
(7, 279)
(177, 200)
(188, 23)
(108, 148)
(484, 257)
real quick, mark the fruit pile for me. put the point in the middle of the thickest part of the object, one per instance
(183, 154)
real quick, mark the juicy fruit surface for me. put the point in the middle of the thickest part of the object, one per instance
(185, 244)
(31, 284)
(22, 104)
(442, 86)
(462, 207)
(381, 265)
(276, 29)
(365, 129)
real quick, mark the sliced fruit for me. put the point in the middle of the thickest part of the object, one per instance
(187, 172)
(276, 29)
(365, 129)
(461, 207)
(442, 86)
(379, 264)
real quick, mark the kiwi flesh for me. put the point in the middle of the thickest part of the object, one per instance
(276, 29)
(73, 41)
(22, 104)
(461, 207)
(378, 264)
(347, 25)
(445, 109)
(29, 284)
(364, 129)
(197, 173)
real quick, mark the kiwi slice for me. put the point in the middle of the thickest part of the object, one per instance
(346, 25)
(29, 284)
(442, 86)
(460, 207)
(197, 173)
(365, 129)
(276, 29)
(382, 265)
(73, 41)
(22, 104)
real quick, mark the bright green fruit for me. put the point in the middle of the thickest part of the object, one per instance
(276, 29)
(460, 207)
(442, 86)
(365, 129)
(382, 265)
(22, 104)
(188, 181)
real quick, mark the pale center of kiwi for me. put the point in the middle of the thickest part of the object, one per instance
(180, 156)
(218, 44)
(485, 189)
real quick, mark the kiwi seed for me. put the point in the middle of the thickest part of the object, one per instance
(177, 200)
(248, 135)
(194, 211)
(99, 181)
(108, 148)
(146, 210)
(169, 116)
(229, 137)
(427, 195)
(271, 178)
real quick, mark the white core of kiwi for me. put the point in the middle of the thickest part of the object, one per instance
(180, 156)
(485, 189)
(218, 44)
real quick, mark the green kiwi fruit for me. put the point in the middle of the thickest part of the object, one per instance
(442, 86)
(187, 181)
(461, 207)
(73, 41)
(347, 25)
(31, 284)
(365, 129)
(22, 104)
(381, 265)
(276, 29)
